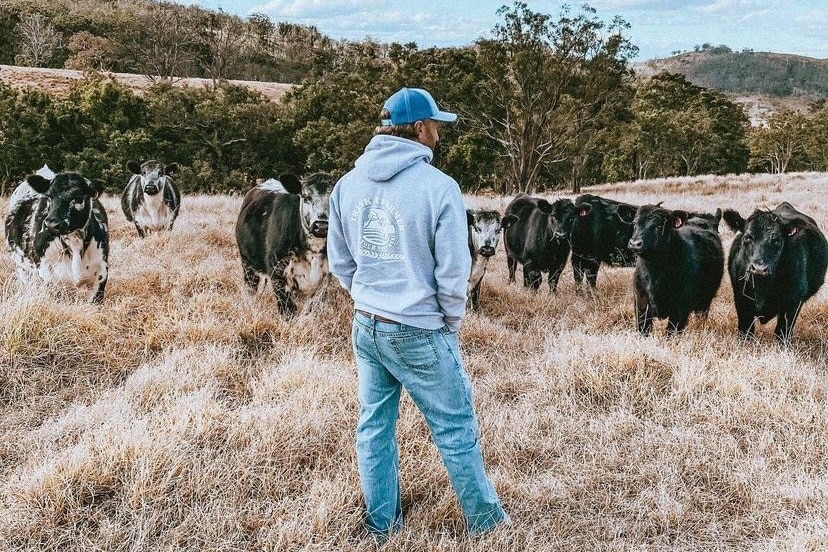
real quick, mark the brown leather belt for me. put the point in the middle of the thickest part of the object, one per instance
(376, 317)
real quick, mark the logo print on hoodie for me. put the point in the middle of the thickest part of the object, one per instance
(381, 226)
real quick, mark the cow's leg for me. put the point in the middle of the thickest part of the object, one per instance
(643, 314)
(475, 295)
(785, 321)
(511, 262)
(591, 272)
(554, 276)
(577, 271)
(532, 276)
(745, 314)
(677, 322)
(251, 278)
(287, 306)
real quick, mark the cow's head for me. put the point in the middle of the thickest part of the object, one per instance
(154, 176)
(564, 215)
(314, 195)
(70, 200)
(764, 236)
(653, 229)
(484, 231)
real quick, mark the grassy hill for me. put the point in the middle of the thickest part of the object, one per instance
(748, 73)
(763, 82)
(183, 414)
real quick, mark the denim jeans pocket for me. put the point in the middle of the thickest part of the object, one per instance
(415, 350)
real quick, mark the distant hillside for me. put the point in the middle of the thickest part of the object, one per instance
(762, 82)
(765, 73)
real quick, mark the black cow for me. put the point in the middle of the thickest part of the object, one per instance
(484, 234)
(777, 262)
(151, 200)
(282, 233)
(601, 235)
(537, 234)
(57, 230)
(678, 269)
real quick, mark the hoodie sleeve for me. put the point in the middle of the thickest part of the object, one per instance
(340, 261)
(452, 259)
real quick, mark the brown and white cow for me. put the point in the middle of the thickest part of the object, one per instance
(282, 232)
(56, 230)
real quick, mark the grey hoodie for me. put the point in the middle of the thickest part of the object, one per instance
(398, 237)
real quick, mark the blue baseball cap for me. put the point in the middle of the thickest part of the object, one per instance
(408, 105)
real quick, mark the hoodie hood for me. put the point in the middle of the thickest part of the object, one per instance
(386, 156)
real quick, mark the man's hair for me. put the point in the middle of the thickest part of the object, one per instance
(402, 131)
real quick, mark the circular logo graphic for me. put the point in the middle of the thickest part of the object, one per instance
(379, 230)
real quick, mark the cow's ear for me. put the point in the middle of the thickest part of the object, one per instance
(134, 167)
(793, 227)
(583, 209)
(171, 169)
(734, 220)
(626, 213)
(96, 187)
(291, 183)
(508, 221)
(545, 206)
(679, 218)
(38, 183)
(469, 218)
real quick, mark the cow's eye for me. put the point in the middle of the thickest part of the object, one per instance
(748, 238)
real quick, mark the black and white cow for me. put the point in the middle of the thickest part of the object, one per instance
(537, 234)
(777, 261)
(679, 266)
(484, 235)
(57, 230)
(282, 233)
(151, 199)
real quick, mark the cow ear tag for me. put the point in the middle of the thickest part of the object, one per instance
(792, 230)
(582, 213)
(678, 223)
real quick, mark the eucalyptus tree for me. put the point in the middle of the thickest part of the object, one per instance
(552, 88)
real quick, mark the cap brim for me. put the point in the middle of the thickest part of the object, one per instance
(444, 117)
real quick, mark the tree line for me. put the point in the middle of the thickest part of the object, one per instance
(545, 103)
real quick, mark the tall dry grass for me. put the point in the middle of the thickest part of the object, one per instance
(183, 414)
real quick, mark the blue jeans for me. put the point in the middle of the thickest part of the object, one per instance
(427, 364)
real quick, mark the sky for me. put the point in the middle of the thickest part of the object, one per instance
(657, 27)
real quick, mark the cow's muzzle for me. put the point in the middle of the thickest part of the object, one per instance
(150, 189)
(52, 226)
(486, 251)
(759, 269)
(636, 246)
(319, 228)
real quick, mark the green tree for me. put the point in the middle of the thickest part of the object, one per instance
(550, 89)
(683, 129)
(780, 145)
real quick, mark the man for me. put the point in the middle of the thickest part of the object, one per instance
(398, 242)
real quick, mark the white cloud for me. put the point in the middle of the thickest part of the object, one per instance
(356, 19)
(301, 9)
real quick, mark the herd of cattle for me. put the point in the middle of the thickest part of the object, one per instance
(57, 230)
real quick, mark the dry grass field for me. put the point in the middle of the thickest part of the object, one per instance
(183, 414)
